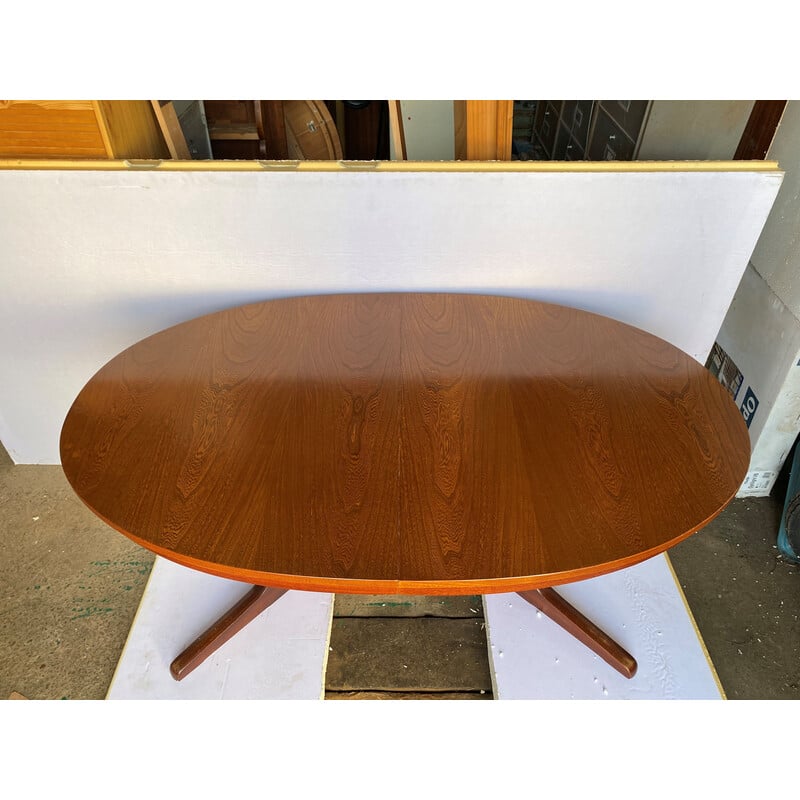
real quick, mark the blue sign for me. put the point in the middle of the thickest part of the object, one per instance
(749, 406)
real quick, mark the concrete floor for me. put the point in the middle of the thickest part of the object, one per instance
(745, 599)
(70, 586)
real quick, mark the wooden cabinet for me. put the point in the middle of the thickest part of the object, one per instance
(80, 129)
(272, 129)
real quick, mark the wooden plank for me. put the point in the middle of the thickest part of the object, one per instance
(49, 129)
(340, 124)
(760, 129)
(130, 129)
(427, 654)
(51, 105)
(171, 129)
(396, 128)
(483, 129)
(272, 129)
(234, 132)
(398, 605)
(480, 695)
(460, 129)
(504, 123)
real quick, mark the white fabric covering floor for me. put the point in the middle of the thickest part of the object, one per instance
(641, 607)
(280, 655)
(283, 653)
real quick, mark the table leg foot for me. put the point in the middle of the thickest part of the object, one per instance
(246, 610)
(550, 603)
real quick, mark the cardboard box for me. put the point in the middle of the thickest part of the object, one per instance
(757, 357)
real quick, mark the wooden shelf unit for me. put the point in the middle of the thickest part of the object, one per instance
(85, 129)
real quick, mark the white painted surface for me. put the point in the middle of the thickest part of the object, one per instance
(93, 261)
(281, 655)
(762, 328)
(702, 130)
(762, 336)
(777, 253)
(780, 431)
(642, 608)
(428, 129)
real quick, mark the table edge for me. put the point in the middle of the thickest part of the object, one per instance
(367, 586)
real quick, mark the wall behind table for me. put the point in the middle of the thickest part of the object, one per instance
(92, 261)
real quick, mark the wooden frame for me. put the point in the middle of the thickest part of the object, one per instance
(760, 129)
(397, 132)
(483, 129)
(171, 129)
(386, 166)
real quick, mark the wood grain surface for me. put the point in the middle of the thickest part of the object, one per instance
(405, 443)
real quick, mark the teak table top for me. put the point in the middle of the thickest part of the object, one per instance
(405, 443)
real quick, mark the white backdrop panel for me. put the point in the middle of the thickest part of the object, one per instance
(92, 261)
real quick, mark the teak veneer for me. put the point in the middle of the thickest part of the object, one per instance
(405, 443)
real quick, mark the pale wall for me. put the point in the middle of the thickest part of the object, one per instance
(702, 130)
(777, 254)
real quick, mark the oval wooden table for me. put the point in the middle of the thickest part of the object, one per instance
(405, 443)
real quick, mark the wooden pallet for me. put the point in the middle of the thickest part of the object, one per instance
(401, 647)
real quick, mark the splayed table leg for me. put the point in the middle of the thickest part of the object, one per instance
(245, 611)
(550, 603)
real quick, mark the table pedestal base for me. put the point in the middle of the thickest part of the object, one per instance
(246, 610)
(259, 598)
(551, 604)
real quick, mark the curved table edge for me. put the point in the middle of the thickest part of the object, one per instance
(365, 586)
